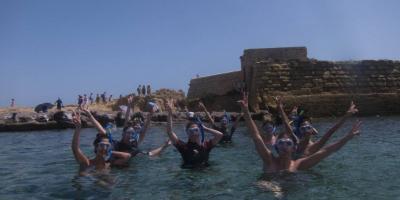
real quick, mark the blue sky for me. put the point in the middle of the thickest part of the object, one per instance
(51, 49)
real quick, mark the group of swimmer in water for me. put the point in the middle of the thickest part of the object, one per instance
(291, 149)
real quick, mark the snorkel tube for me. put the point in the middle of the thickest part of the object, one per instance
(109, 127)
(134, 136)
(226, 117)
(201, 128)
(108, 155)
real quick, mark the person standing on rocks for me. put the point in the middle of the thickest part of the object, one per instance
(59, 104)
(97, 98)
(80, 101)
(110, 98)
(12, 103)
(103, 97)
(138, 90)
(85, 101)
(144, 90)
(148, 90)
(91, 98)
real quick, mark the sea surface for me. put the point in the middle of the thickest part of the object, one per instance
(40, 165)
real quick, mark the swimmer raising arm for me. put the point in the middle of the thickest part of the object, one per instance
(321, 142)
(310, 161)
(262, 150)
(172, 136)
(82, 160)
(217, 135)
(285, 118)
(146, 125)
(120, 158)
(128, 110)
(96, 124)
(203, 107)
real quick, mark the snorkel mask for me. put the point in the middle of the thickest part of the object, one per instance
(306, 129)
(282, 144)
(193, 131)
(225, 119)
(134, 133)
(269, 128)
(108, 149)
(199, 130)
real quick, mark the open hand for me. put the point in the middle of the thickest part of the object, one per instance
(76, 119)
(352, 109)
(278, 101)
(168, 105)
(244, 103)
(86, 111)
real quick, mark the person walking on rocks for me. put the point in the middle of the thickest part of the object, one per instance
(144, 90)
(148, 90)
(103, 97)
(12, 103)
(59, 104)
(91, 98)
(139, 89)
(80, 101)
(85, 101)
(97, 98)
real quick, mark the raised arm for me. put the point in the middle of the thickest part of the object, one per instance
(79, 156)
(146, 125)
(262, 150)
(286, 120)
(203, 107)
(172, 136)
(128, 111)
(310, 161)
(96, 124)
(217, 135)
(321, 142)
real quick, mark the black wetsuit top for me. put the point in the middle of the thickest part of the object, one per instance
(227, 137)
(123, 147)
(194, 155)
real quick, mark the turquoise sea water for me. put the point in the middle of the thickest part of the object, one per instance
(40, 165)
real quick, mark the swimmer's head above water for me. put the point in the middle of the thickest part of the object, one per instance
(285, 146)
(130, 134)
(102, 146)
(268, 128)
(193, 132)
(306, 128)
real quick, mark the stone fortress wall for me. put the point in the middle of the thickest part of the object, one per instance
(219, 84)
(323, 87)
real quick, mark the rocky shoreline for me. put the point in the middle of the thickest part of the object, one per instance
(54, 124)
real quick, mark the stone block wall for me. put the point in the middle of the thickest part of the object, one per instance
(252, 56)
(321, 77)
(324, 88)
(219, 84)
